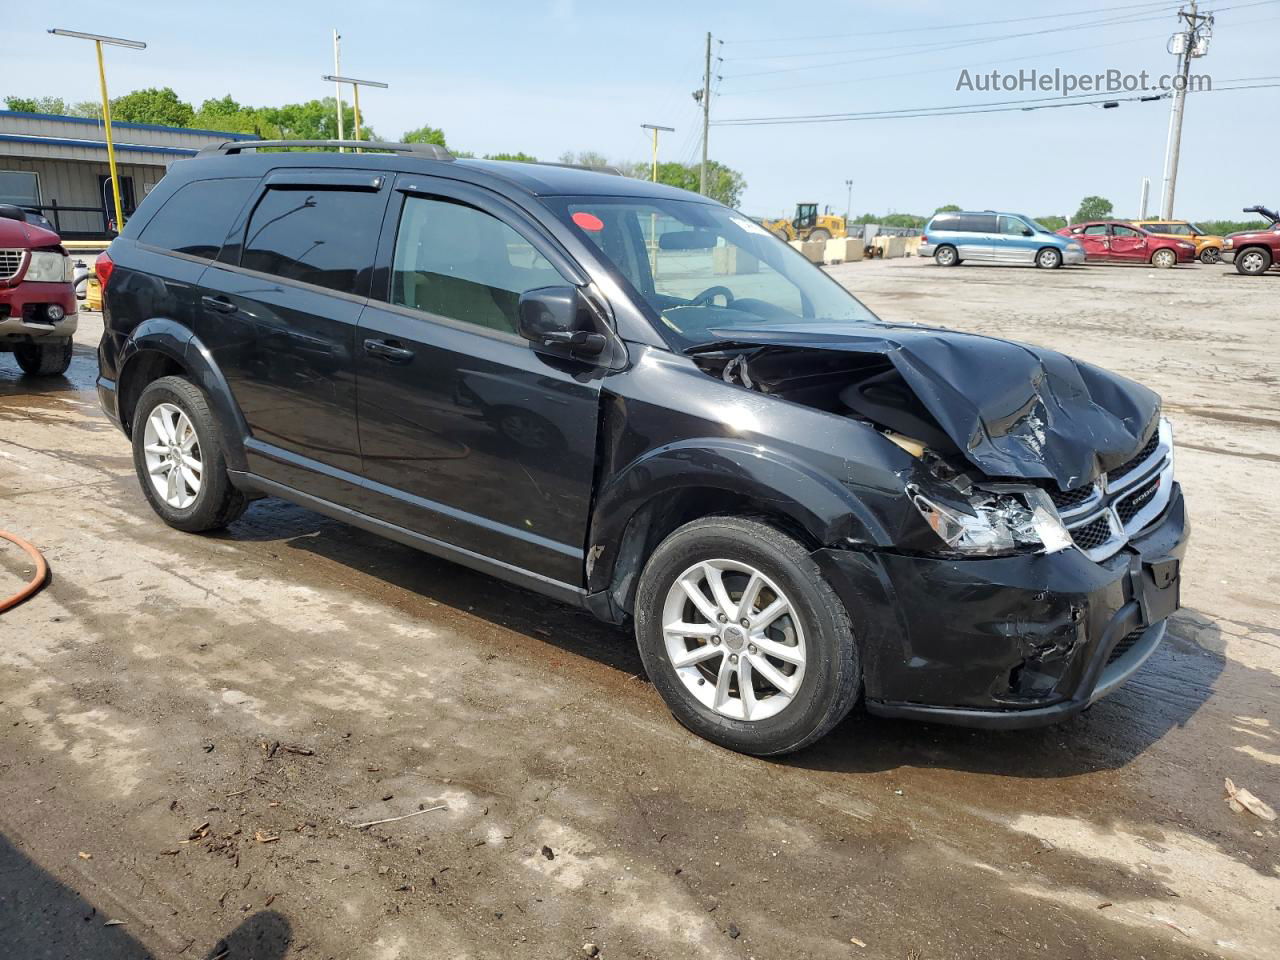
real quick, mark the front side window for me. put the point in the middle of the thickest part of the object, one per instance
(1129, 232)
(705, 270)
(1012, 226)
(1179, 229)
(195, 220)
(1096, 230)
(456, 261)
(315, 235)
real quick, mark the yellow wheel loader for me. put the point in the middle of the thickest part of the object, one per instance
(808, 224)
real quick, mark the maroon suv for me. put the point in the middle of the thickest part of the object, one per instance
(1114, 240)
(37, 299)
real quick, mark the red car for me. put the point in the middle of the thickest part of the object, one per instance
(37, 301)
(1119, 242)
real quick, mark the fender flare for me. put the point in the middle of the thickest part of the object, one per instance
(168, 337)
(826, 510)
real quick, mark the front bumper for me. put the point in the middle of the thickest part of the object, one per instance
(1227, 255)
(1008, 642)
(23, 315)
(1073, 257)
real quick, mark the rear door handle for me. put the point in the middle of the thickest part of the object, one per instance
(389, 350)
(219, 304)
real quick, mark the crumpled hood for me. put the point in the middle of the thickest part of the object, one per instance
(1014, 410)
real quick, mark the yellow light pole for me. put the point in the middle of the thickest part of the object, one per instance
(98, 41)
(355, 89)
(655, 128)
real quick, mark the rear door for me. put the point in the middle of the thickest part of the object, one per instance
(279, 313)
(1096, 240)
(1128, 244)
(469, 435)
(979, 237)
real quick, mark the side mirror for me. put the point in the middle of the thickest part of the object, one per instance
(1028, 232)
(11, 212)
(559, 316)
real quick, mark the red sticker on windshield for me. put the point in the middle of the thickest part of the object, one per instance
(588, 221)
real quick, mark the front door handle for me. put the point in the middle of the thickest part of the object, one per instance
(218, 304)
(389, 350)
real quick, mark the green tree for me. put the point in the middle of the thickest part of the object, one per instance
(1094, 208)
(584, 158)
(37, 105)
(518, 157)
(1053, 223)
(426, 134)
(723, 183)
(314, 120)
(225, 113)
(153, 105)
(948, 208)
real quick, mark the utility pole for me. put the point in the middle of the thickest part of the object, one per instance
(1146, 194)
(848, 204)
(706, 117)
(337, 87)
(1188, 45)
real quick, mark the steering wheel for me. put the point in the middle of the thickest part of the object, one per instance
(706, 296)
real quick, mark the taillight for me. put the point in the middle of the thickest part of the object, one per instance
(103, 267)
(924, 238)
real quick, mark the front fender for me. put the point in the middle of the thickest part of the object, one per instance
(822, 506)
(161, 335)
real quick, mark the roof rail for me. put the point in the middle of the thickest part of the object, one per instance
(612, 171)
(429, 150)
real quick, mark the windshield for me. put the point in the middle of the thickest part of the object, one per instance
(1036, 224)
(704, 269)
(1195, 228)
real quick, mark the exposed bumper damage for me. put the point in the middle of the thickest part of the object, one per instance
(1009, 640)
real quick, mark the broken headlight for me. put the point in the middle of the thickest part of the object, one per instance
(992, 523)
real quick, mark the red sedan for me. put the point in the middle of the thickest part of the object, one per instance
(1118, 242)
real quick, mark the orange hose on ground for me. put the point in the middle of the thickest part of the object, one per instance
(37, 580)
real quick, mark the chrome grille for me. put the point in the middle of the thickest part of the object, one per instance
(1102, 516)
(10, 263)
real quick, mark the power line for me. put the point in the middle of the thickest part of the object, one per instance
(941, 46)
(956, 26)
(907, 113)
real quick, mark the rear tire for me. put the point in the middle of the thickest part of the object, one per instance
(1253, 261)
(1049, 258)
(812, 640)
(44, 358)
(946, 256)
(200, 496)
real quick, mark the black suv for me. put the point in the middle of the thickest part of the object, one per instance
(636, 400)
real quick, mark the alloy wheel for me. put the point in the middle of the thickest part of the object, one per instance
(1253, 262)
(734, 639)
(1049, 258)
(172, 453)
(1164, 258)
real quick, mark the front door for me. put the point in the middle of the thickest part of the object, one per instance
(1128, 244)
(468, 434)
(279, 315)
(1015, 242)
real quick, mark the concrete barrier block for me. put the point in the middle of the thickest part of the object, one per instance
(733, 260)
(843, 249)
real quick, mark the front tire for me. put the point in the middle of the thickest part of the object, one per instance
(1253, 261)
(1164, 259)
(179, 459)
(946, 256)
(1050, 258)
(820, 235)
(1210, 255)
(744, 639)
(44, 358)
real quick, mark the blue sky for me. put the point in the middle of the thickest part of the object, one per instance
(544, 76)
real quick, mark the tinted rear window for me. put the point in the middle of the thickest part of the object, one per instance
(964, 223)
(321, 236)
(195, 220)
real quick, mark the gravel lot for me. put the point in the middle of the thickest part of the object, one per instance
(190, 727)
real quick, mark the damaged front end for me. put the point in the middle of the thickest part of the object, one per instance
(1048, 486)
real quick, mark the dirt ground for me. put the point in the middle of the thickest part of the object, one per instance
(191, 727)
